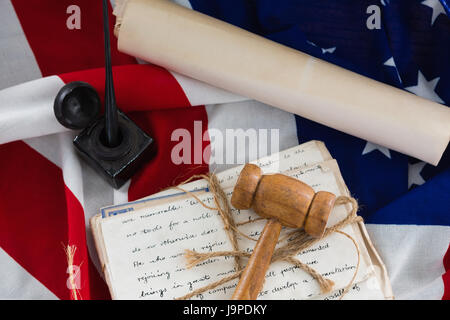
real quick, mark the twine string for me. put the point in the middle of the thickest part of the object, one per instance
(73, 272)
(296, 240)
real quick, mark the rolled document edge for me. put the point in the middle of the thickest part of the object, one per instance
(210, 50)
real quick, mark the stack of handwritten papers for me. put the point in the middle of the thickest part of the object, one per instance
(141, 244)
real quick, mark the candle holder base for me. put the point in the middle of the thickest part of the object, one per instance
(116, 164)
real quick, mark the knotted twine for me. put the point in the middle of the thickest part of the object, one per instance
(73, 271)
(297, 240)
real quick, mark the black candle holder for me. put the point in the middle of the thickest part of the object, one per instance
(119, 163)
(112, 144)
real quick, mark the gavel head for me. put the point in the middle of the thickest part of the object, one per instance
(293, 203)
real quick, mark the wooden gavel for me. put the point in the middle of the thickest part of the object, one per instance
(285, 201)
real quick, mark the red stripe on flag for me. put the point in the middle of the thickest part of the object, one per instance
(57, 48)
(162, 172)
(446, 276)
(34, 239)
(38, 214)
(138, 87)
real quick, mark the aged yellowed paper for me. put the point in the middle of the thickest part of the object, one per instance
(142, 250)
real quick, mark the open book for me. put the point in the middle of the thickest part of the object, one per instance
(141, 244)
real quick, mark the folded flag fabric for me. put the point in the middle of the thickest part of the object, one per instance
(47, 195)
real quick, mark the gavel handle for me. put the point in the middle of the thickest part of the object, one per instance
(252, 279)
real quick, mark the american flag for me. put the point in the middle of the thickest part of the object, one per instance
(47, 194)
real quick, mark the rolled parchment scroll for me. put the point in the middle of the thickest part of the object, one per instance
(210, 50)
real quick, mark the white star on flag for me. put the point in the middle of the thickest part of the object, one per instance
(391, 63)
(414, 176)
(184, 3)
(437, 8)
(372, 146)
(329, 50)
(425, 88)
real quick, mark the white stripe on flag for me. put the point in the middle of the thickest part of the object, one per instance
(413, 256)
(250, 115)
(121, 195)
(26, 110)
(16, 282)
(17, 61)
